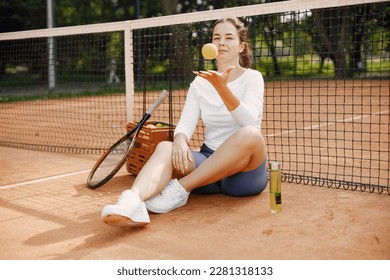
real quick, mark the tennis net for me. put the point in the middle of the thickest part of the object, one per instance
(326, 68)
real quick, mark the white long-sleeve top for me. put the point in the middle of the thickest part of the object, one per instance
(204, 102)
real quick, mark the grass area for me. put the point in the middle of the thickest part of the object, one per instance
(19, 79)
(46, 94)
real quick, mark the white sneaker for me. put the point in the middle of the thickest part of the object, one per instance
(128, 211)
(172, 197)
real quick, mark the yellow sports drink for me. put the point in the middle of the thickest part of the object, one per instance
(275, 187)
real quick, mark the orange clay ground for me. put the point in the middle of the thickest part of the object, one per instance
(47, 212)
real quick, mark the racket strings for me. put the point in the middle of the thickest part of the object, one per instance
(111, 161)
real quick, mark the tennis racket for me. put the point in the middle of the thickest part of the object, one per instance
(115, 157)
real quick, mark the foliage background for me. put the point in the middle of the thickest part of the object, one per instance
(346, 38)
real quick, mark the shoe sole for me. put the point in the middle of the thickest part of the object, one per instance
(121, 221)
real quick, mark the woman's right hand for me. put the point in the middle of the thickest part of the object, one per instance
(181, 154)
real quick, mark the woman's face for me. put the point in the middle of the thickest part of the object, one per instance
(227, 40)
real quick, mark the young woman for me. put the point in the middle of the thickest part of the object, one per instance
(232, 159)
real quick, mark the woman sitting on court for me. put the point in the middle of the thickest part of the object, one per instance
(232, 159)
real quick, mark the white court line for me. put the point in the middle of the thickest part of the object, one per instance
(326, 124)
(45, 179)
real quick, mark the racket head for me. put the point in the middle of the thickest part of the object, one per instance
(115, 157)
(111, 161)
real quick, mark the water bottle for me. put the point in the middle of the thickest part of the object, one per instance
(275, 183)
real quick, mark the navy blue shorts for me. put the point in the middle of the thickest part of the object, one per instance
(240, 184)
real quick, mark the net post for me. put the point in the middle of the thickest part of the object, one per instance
(129, 71)
(51, 46)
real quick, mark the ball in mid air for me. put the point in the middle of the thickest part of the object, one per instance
(209, 51)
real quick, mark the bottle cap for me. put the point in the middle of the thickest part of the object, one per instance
(274, 165)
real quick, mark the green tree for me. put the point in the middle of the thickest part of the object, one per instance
(17, 15)
(341, 33)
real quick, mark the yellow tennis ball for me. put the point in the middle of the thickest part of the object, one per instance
(209, 51)
(160, 125)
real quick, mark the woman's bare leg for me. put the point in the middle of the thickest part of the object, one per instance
(245, 150)
(156, 173)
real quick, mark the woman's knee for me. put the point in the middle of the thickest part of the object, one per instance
(250, 135)
(251, 140)
(164, 147)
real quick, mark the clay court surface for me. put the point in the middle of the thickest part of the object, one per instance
(47, 212)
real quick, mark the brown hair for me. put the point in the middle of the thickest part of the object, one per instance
(246, 55)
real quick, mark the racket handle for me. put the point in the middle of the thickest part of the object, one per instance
(157, 103)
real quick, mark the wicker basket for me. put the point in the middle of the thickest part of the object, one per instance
(146, 143)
